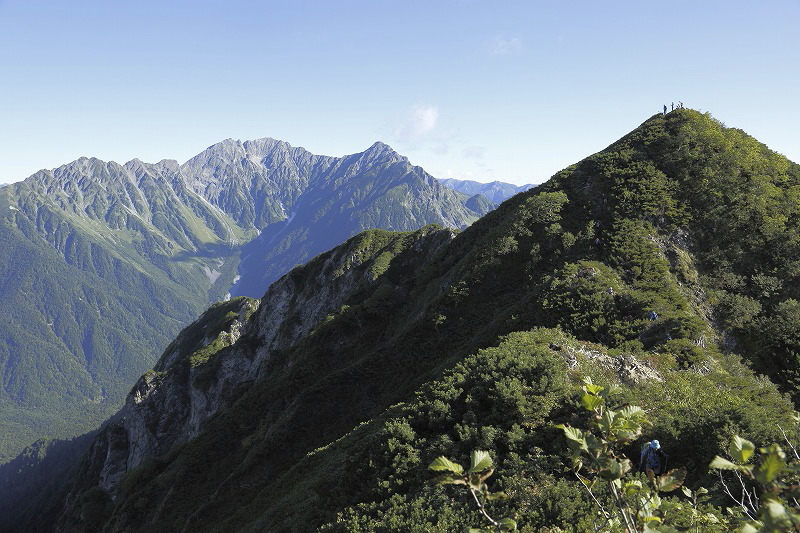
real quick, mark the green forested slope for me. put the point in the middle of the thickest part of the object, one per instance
(733, 204)
(87, 304)
(660, 264)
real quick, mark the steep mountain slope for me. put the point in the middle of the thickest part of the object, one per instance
(103, 263)
(321, 410)
(730, 204)
(496, 191)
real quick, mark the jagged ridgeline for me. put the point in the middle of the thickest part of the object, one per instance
(102, 264)
(659, 264)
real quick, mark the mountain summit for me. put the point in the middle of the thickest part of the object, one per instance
(654, 267)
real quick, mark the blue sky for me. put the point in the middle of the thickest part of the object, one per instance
(470, 89)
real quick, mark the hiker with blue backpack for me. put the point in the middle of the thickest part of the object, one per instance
(653, 458)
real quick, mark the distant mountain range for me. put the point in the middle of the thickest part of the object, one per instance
(102, 263)
(496, 192)
(664, 268)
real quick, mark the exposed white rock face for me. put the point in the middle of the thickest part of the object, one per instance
(628, 368)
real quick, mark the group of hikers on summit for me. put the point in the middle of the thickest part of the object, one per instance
(673, 106)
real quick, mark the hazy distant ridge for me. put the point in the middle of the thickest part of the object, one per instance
(496, 191)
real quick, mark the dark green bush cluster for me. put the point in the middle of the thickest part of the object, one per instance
(506, 399)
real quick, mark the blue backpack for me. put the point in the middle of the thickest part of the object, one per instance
(652, 461)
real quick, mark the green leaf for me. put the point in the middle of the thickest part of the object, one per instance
(774, 449)
(777, 517)
(769, 468)
(687, 491)
(611, 469)
(594, 446)
(506, 524)
(481, 460)
(632, 488)
(575, 435)
(593, 389)
(491, 496)
(605, 423)
(588, 482)
(724, 464)
(448, 478)
(671, 480)
(631, 411)
(591, 402)
(590, 387)
(741, 449)
(443, 463)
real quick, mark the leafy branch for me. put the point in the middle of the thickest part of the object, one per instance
(474, 479)
(636, 505)
(777, 508)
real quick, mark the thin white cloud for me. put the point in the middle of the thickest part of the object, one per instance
(442, 147)
(474, 152)
(418, 125)
(504, 45)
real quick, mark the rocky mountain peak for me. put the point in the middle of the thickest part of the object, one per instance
(167, 165)
(383, 150)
